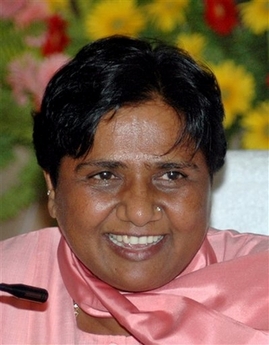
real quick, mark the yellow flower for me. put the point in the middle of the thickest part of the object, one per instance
(193, 43)
(55, 5)
(255, 15)
(167, 13)
(237, 87)
(110, 17)
(256, 123)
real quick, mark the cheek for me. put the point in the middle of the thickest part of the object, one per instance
(200, 203)
(69, 211)
(80, 212)
(190, 220)
(191, 207)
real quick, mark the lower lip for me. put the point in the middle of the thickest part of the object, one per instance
(137, 253)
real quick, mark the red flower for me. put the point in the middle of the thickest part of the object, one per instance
(221, 15)
(56, 38)
(267, 80)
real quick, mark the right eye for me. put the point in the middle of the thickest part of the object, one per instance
(104, 176)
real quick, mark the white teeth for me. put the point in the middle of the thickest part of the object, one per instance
(142, 240)
(134, 240)
(124, 239)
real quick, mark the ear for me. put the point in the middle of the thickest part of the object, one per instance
(51, 195)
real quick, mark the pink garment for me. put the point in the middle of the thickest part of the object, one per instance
(220, 298)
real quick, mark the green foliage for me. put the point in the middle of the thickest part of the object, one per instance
(15, 121)
(23, 192)
(6, 152)
(11, 46)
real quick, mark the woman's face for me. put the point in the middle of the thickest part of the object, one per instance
(134, 214)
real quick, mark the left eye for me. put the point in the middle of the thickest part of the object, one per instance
(172, 176)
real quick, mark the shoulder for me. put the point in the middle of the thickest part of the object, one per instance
(30, 240)
(229, 244)
(25, 254)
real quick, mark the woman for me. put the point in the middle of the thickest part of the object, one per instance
(129, 137)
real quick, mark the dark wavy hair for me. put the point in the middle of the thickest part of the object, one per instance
(118, 71)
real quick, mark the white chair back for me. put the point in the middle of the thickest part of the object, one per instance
(241, 192)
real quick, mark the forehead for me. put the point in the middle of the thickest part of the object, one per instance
(139, 136)
(152, 126)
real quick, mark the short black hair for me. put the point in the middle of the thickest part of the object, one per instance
(119, 71)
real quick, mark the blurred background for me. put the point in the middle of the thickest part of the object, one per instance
(38, 36)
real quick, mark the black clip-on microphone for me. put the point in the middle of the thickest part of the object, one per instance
(30, 293)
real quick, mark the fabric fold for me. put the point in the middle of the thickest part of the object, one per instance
(207, 294)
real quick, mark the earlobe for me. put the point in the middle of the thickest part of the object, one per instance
(51, 195)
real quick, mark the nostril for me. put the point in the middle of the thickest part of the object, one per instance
(139, 212)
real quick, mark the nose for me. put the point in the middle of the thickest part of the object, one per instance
(139, 206)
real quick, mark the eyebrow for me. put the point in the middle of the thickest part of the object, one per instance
(101, 164)
(176, 165)
(110, 164)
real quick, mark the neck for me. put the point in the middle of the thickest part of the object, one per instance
(103, 326)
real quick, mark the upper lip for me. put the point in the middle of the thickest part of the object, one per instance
(134, 234)
(135, 240)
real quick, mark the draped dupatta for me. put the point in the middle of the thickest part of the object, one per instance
(208, 303)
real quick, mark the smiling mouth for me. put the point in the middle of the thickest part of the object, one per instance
(134, 241)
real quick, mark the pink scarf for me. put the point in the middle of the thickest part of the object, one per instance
(209, 303)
